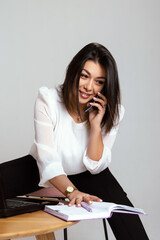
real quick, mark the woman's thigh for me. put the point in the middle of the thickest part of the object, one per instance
(104, 185)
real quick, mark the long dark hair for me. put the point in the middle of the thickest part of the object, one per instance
(97, 53)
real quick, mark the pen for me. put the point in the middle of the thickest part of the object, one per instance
(86, 206)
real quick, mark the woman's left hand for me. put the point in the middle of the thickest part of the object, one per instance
(76, 197)
(96, 114)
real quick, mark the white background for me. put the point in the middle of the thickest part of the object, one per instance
(38, 38)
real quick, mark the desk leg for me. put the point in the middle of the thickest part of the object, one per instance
(47, 236)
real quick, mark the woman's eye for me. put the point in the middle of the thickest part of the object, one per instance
(100, 82)
(84, 75)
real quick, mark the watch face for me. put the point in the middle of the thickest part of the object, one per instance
(70, 189)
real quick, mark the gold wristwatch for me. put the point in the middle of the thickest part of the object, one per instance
(69, 190)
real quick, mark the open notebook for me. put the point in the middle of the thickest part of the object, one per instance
(93, 211)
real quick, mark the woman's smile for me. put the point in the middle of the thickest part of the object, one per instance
(84, 94)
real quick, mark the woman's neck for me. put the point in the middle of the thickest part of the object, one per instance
(78, 118)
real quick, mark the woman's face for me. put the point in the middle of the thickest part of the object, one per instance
(91, 81)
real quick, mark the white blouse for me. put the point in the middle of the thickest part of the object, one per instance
(60, 143)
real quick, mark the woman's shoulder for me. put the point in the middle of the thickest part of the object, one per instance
(48, 94)
(121, 112)
(48, 101)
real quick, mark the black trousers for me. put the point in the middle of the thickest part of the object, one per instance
(106, 187)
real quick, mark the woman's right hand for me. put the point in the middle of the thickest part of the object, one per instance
(76, 197)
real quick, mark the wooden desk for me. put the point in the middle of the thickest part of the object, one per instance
(39, 224)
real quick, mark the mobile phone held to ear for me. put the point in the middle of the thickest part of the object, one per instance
(91, 106)
(92, 102)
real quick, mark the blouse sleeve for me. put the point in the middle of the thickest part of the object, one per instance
(96, 167)
(48, 160)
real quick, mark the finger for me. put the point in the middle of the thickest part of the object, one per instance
(97, 105)
(101, 101)
(101, 95)
(72, 202)
(89, 199)
(78, 202)
(96, 199)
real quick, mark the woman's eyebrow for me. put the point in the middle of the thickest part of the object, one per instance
(86, 71)
(90, 74)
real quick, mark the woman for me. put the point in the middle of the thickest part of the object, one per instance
(75, 128)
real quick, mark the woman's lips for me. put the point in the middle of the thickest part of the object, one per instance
(84, 95)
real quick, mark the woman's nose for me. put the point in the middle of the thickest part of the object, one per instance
(89, 85)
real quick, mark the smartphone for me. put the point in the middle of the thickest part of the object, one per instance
(93, 102)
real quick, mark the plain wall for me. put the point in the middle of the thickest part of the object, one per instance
(38, 38)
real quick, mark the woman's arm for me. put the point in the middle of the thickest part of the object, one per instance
(97, 156)
(61, 182)
(48, 160)
(95, 144)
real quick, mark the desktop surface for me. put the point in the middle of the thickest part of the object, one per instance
(30, 224)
